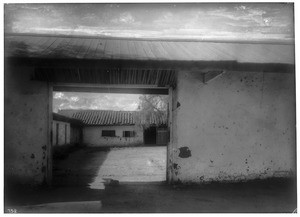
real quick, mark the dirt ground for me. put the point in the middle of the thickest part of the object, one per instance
(94, 166)
(87, 179)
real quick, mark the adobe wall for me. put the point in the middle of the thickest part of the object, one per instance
(75, 137)
(64, 132)
(26, 105)
(239, 126)
(92, 136)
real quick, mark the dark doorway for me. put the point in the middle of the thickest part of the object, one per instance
(150, 135)
(162, 136)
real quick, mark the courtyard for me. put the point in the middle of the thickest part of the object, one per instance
(93, 167)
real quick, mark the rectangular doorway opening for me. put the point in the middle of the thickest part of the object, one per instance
(150, 136)
(104, 138)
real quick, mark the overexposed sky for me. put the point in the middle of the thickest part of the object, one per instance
(222, 21)
(95, 101)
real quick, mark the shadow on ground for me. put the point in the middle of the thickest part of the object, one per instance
(72, 174)
(79, 168)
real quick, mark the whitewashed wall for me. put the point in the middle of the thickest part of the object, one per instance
(92, 136)
(239, 126)
(63, 133)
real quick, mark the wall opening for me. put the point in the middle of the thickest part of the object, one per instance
(150, 136)
(109, 138)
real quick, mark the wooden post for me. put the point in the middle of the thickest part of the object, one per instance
(170, 143)
(49, 140)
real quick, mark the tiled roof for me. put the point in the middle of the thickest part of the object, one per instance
(47, 46)
(109, 118)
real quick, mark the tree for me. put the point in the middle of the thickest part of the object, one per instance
(152, 104)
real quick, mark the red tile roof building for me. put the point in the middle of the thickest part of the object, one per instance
(111, 118)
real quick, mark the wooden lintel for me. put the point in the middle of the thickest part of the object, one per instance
(114, 89)
(125, 86)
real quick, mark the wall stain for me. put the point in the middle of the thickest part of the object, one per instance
(185, 152)
(175, 166)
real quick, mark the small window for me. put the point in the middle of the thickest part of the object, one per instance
(109, 133)
(128, 133)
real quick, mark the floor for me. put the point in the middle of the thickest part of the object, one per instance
(101, 180)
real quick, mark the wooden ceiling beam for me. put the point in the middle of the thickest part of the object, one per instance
(112, 89)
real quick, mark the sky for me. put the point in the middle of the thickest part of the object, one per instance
(221, 21)
(95, 101)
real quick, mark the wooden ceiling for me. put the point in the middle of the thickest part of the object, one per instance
(111, 76)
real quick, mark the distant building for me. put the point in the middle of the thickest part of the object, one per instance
(66, 130)
(120, 128)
